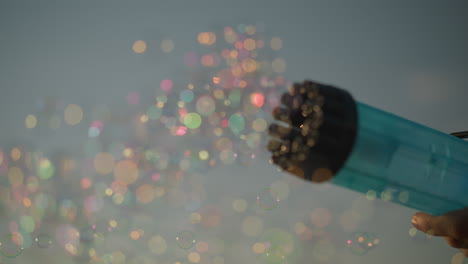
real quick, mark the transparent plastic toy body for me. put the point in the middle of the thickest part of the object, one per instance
(406, 163)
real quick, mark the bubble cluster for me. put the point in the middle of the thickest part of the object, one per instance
(140, 168)
(359, 243)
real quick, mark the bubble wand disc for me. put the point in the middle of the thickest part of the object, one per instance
(325, 135)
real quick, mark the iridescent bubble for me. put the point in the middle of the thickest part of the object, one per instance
(359, 243)
(267, 199)
(277, 245)
(43, 241)
(185, 239)
(205, 105)
(11, 245)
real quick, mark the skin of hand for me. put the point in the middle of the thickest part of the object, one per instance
(453, 226)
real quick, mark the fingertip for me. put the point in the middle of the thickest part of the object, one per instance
(420, 221)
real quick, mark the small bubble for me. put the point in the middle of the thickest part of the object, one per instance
(43, 241)
(11, 245)
(267, 199)
(185, 239)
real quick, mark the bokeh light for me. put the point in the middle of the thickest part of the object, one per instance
(104, 163)
(167, 45)
(279, 65)
(146, 161)
(139, 46)
(276, 43)
(192, 120)
(207, 38)
(252, 226)
(157, 245)
(126, 171)
(73, 114)
(166, 85)
(31, 121)
(257, 99)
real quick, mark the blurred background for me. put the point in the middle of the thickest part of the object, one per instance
(134, 131)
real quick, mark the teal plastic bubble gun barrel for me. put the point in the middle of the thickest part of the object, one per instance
(331, 137)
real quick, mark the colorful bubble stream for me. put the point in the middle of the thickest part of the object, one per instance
(94, 206)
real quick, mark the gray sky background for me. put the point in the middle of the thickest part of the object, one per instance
(406, 57)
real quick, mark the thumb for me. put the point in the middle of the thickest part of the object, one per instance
(429, 224)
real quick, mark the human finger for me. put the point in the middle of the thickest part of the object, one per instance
(450, 225)
(457, 243)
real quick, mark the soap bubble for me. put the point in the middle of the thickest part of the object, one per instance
(278, 245)
(267, 199)
(43, 241)
(185, 239)
(11, 245)
(360, 243)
